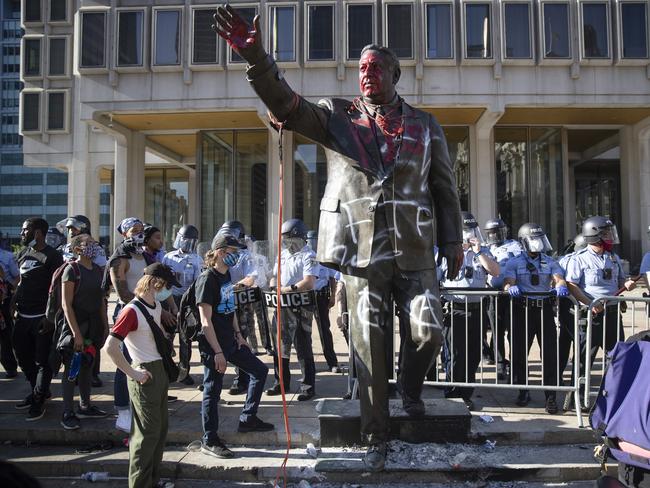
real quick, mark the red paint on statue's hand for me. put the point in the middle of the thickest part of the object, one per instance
(241, 36)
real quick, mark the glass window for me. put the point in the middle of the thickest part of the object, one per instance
(248, 14)
(458, 145)
(251, 156)
(399, 23)
(166, 201)
(31, 111)
(58, 10)
(556, 30)
(33, 11)
(217, 149)
(478, 31)
(130, 25)
(595, 32)
(517, 27)
(634, 24)
(56, 111)
(321, 33)
(93, 34)
(282, 26)
(360, 32)
(168, 37)
(511, 146)
(439, 30)
(32, 57)
(58, 54)
(310, 178)
(205, 50)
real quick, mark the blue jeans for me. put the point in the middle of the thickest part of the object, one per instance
(213, 383)
(120, 386)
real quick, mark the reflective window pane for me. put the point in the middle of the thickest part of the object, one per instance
(556, 30)
(321, 32)
(517, 26)
(216, 181)
(168, 36)
(248, 14)
(511, 171)
(31, 108)
(205, 38)
(439, 30)
(58, 10)
(310, 177)
(166, 201)
(360, 20)
(458, 145)
(478, 31)
(32, 57)
(33, 11)
(251, 156)
(56, 111)
(282, 25)
(58, 53)
(130, 32)
(399, 23)
(595, 33)
(634, 23)
(92, 41)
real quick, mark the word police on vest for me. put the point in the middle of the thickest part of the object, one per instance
(290, 300)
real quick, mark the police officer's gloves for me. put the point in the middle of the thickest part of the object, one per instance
(514, 291)
(453, 253)
(562, 291)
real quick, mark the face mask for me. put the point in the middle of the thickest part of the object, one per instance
(293, 244)
(607, 246)
(90, 250)
(231, 259)
(138, 238)
(535, 245)
(187, 246)
(133, 246)
(163, 294)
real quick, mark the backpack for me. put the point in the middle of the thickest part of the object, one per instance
(189, 320)
(55, 294)
(621, 414)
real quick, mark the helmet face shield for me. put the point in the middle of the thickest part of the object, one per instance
(185, 245)
(609, 235)
(54, 240)
(536, 243)
(496, 236)
(472, 234)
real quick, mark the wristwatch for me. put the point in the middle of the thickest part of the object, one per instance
(294, 287)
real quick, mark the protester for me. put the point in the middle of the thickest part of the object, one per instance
(153, 244)
(220, 342)
(148, 381)
(11, 274)
(33, 333)
(84, 313)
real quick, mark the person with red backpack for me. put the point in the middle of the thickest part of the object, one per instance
(86, 324)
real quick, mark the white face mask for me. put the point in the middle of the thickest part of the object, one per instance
(536, 245)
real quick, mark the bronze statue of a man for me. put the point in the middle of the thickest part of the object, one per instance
(389, 178)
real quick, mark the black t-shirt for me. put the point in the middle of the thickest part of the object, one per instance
(36, 270)
(216, 290)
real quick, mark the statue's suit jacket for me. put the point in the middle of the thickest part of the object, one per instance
(416, 191)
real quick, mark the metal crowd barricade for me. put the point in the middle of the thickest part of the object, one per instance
(633, 307)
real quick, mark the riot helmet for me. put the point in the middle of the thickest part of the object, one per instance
(234, 228)
(294, 235)
(187, 238)
(579, 243)
(80, 223)
(496, 232)
(312, 239)
(597, 229)
(533, 238)
(54, 238)
(471, 229)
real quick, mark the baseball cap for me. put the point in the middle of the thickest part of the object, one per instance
(159, 270)
(226, 240)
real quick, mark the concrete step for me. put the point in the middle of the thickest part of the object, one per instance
(445, 420)
(407, 463)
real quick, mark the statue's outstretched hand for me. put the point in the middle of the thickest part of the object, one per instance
(245, 39)
(453, 252)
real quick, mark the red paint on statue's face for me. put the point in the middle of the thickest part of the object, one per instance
(376, 78)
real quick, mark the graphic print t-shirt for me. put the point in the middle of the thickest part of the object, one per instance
(36, 270)
(216, 290)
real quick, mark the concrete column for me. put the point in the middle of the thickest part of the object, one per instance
(483, 199)
(273, 178)
(129, 178)
(193, 211)
(643, 177)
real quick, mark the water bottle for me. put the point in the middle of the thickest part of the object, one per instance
(94, 476)
(188, 275)
(75, 365)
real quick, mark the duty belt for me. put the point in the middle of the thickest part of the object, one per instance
(324, 291)
(533, 302)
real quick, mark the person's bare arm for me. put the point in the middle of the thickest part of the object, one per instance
(306, 284)
(66, 304)
(119, 268)
(112, 348)
(104, 316)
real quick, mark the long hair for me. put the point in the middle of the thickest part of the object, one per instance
(148, 282)
(211, 258)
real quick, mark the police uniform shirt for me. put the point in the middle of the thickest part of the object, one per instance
(596, 275)
(476, 278)
(522, 267)
(99, 260)
(564, 261)
(244, 268)
(187, 268)
(9, 265)
(645, 265)
(297, 266)
(324, 275)
(502, 254)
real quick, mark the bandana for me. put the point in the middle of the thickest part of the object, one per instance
(127, 224)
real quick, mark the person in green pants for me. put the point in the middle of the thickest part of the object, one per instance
(148, 382)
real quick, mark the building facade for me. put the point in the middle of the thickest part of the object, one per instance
(545, 104)
(25, 192)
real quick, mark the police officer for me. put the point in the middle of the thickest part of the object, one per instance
(462, 317)
(502, 249)
(299, 273)
(325, 299)
(55, 239)
(531, 272)
(595, 272)
(73, 226)
(11, 274)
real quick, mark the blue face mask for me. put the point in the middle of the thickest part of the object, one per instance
(163, 294)
(231, 259)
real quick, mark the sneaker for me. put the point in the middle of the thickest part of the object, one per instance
(336, 369)
(200, 387)
(217, 449)
(551, 406)
(306, 394)
(11, 374)
(413, 408)
(189, 381)
(26, 403)
(123, 421)
(171, 398)
(70, 421)
(523, 398)
(36, 411)
(375, 457)
(96, 382)
(91, 412)
(255, 424)
(274, 390)
(238, 389)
